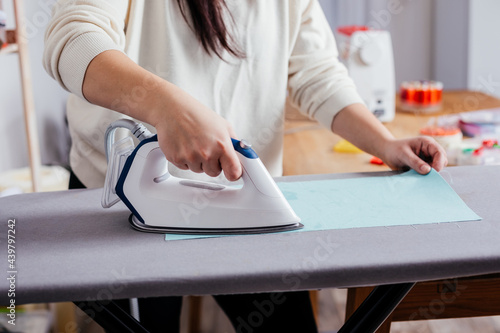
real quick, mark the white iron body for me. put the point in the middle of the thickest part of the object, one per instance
(161, 202)
(369, 59)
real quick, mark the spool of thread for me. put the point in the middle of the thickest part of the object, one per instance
(448, 137)
(421, 96)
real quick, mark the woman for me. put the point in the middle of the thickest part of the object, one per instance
(200, 72)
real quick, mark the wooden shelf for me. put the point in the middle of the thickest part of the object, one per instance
(9, 49)
(19, 46)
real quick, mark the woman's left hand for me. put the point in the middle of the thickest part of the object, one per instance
(419, 153)
(359, 126)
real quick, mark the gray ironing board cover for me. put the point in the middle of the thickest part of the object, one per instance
(68, 249)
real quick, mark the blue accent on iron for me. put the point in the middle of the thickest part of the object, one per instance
(247, 152)
(124, 173)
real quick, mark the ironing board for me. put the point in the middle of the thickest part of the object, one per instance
(69, 249)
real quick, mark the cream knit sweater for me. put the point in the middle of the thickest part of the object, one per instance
(288, 45)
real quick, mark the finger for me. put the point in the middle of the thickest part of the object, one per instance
(187, 160)
(212, 167)
(439, 162)
(230, 164)
(411, 159)
(195, 167)
(180, 166)
(210, 158)
(437, 155)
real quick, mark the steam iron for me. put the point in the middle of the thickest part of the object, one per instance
(163, 203)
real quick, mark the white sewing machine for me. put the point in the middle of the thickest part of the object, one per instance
(368, 56)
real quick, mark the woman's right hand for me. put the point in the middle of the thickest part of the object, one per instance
(194, 137)
(190, 135)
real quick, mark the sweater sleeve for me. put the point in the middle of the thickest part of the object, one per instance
(79, 31)
(318, 83)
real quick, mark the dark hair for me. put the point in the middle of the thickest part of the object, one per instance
(209, 26)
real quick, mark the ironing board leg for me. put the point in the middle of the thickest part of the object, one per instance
(366, 319)
(111, 317)
(376, 308)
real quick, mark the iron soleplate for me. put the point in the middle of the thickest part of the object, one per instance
(138, 225)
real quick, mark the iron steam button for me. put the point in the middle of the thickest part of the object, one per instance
(245, 144)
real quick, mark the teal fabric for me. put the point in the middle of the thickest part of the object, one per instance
(404, 199)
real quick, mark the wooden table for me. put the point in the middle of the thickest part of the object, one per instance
(308, 149)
